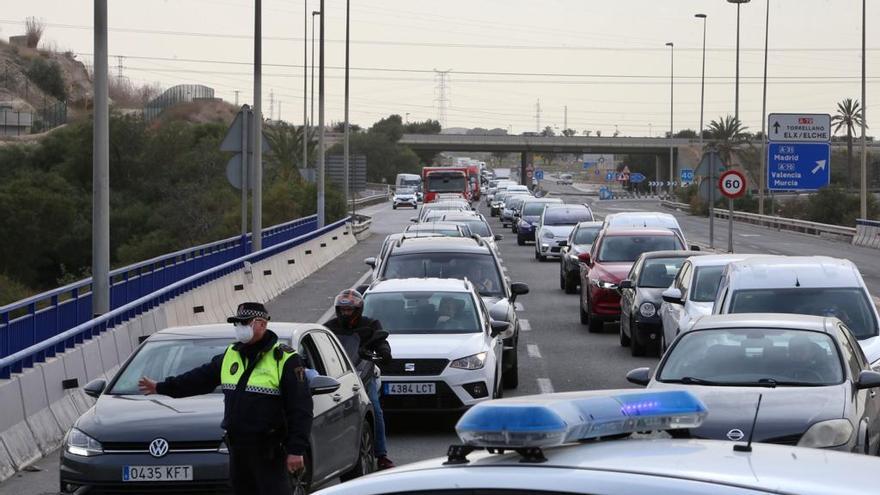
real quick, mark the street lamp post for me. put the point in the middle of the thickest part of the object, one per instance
(702, 80)
(736, 105)
(321, 122)
(762, 180)
(863, 193)
(100, 168)
(257, 160)
(312, 97)
(671, 112)
(305, 129)
(346, 174)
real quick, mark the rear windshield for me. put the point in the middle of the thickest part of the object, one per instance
(478, 227)
(850, 304)
(514, 202)
(441, 231)
(659, 272)
(162, 359)
(565, 216)
(706, 283)
(423, 312)
(625, 248)
(586, 235)
(480, 269)
(534, 209)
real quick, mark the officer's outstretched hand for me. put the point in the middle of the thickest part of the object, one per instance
(146, 386)
(294, 463)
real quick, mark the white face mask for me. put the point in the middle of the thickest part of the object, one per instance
(243, 333)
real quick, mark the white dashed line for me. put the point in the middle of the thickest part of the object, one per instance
(525, 326)
(534, 351)
(545, 386)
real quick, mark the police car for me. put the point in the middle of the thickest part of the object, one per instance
(573, 443)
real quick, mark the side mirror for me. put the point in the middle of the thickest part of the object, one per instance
(584, 258)
(625, 284)
(672, 296)
(499, 311)
(694, 247)
(321, 385)
(371, 262)
(498, 327)
(95, 387)
(518, 289)
(498, 237)
(639, 376)
(868, 379)
(563, 243)
(362, 288)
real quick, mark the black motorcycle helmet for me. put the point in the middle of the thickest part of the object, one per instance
(349, 298)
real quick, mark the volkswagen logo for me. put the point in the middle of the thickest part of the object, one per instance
(735, 434)
(410, 367)
(159, 447)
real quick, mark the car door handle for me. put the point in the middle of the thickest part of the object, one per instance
(356, 387)
(336, 397)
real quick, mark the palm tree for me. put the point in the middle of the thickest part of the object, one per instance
(285, 145)
(728, 133)
(849, 115)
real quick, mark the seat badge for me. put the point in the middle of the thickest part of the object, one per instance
(409, 367)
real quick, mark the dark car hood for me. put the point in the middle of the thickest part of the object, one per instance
(135, 418)
(785, 411)
(611, 272)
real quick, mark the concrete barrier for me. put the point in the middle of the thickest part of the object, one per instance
(867, 233)
(36, 410)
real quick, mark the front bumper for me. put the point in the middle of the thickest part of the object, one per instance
(451, 390)
(604, 303)
(647, 330)
(103, 473)
(549, 247)
(408, 202)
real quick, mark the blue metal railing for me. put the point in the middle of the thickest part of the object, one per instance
(36, 319)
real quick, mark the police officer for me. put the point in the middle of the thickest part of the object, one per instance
(267, 403)
(363, 339)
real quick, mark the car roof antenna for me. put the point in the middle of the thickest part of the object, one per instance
(748, 447)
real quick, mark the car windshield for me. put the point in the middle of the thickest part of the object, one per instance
(423, 312)
(753, 356)
(706, 280)
(165, 358)
(406, 190)
(586, 235)
(446, 183)
(514, 202)
(850, 304)
(534, 209)
(478, 227)
(659, 273)
(628, 248)
(566, 216)
(480, 269)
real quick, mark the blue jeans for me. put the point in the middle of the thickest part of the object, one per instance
(379, 447)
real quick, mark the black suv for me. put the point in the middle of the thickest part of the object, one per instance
(471, 258)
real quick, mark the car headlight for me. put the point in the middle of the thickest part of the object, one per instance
(826, 434)
(603, 284)
(473, 362)
(647, 310)
(78, 443)
(547, 234)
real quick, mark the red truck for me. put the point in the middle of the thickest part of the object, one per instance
(474, 181)
(436, 180)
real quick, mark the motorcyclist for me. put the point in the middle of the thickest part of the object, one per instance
(364, 341)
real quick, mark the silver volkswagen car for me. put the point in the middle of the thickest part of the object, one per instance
(128, 442)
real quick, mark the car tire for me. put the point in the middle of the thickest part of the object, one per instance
(301, 482)
(594, 325)
(393, 207)
(561, 277)
(520, 241)
(513, 228)
(511, 377)
(625, 341)
(571, 285)
(366, 461)
(585, 317)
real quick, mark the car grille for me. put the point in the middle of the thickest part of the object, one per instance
(164, 488)
(445, 398)
(172, 446)
(422, 367)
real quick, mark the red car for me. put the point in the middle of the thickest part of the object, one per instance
(608, 262)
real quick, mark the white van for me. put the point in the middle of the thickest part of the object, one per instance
(811, 285)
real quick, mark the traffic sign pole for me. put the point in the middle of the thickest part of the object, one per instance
(732, 185)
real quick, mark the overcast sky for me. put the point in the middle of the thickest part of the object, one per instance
(605, 60)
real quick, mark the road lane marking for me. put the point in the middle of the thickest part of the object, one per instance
(545, 386)
(525, 326)
(329, 313)
(534, 351)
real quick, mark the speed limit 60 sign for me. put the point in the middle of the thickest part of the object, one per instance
(732, 184)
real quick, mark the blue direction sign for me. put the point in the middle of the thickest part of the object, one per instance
(798, 166)
(589, 164)
(539, 174)
(687, 175)
(636, 178)
(610, 176)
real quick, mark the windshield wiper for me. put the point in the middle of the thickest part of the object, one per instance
(773, 383)
(690, 380)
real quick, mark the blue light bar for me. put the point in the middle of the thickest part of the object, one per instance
(556, 419)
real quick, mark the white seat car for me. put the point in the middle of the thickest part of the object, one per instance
(569, 443)
(447, 350)
(810, 285)
(692, 294)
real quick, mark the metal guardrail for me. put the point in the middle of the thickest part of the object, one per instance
(780, 223)
(35, 319)
(50, 345)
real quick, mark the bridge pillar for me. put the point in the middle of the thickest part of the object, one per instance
(523, 166)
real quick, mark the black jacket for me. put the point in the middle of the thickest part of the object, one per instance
(255, 418)
(360, 341)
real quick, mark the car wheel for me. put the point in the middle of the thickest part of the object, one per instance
(366, 461)
(393, 207)
(624, 339)
(571, 285)
(301, 482)
(594, 325)
(585, 317)
(637, 349)
(561, 277)
(513, 228)
(520, 241)
(511, 377)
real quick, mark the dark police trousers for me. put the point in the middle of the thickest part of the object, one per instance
(258, 469)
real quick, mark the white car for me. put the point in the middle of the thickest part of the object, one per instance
(405, 197)
(447, 350)
(565, 443)
(565, 179)
(811, 285)
(646, 219)
(692, 294)
(557, 222)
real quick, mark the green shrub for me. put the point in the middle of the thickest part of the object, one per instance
(46, 74)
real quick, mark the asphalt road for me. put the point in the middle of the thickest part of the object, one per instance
(556, 351)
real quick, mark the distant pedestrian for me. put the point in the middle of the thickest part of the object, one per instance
(267, 403)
